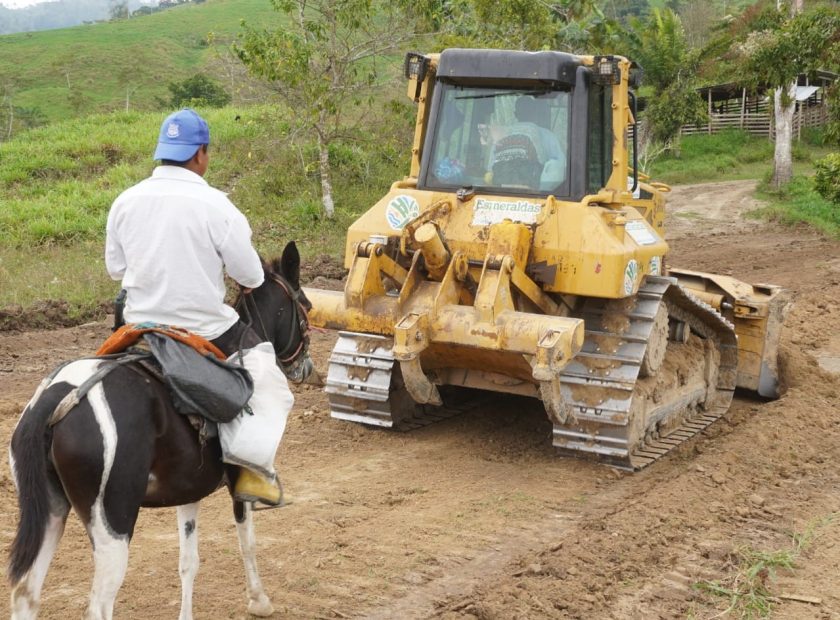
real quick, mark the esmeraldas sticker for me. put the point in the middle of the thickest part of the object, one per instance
(494, 211)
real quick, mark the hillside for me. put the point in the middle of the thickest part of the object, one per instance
(71, 72)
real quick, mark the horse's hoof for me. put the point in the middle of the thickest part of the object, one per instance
(261, 607)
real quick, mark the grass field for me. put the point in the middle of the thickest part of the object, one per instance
(87, 69)
(730, 156)
(800, 203)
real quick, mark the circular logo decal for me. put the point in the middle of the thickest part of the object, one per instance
(401, 210)
(630, 274)
(656, 266)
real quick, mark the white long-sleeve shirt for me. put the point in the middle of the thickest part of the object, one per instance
(170, 238)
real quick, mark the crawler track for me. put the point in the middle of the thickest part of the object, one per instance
(629, 420)
(364, 385)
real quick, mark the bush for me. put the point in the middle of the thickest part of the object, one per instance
(198, 91)
(827, 177)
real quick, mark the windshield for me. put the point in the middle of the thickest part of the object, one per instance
(501, 139)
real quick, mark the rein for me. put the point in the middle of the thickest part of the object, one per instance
(299, 318)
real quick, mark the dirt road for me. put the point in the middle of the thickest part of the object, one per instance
(477, 517)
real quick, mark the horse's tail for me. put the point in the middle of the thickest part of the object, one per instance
(28, 452)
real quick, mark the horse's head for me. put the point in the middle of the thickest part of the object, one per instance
(278, 312)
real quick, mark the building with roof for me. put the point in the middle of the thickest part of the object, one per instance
(734, 106)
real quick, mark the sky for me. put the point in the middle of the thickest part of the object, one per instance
(19, 4)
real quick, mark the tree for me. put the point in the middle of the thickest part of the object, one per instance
(198, 90)
(567, 25)
(660, 46)
(119, 9)
(698, 18)
(779, 47)
(325, 63)
(784, 107)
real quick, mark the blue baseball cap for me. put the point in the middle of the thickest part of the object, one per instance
(181, 134)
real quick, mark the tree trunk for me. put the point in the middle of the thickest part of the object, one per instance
(326, 181)
(784, 107)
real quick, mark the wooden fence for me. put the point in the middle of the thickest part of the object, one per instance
(758, 119)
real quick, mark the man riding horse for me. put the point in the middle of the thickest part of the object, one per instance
(170, 239)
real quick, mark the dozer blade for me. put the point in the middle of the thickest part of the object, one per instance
(757, 311)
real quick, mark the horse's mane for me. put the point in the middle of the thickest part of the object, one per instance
(271, 267)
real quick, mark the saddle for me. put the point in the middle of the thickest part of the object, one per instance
(197, 373)
(200, 380)
(128, 335)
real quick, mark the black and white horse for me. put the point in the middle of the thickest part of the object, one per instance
(124, 446)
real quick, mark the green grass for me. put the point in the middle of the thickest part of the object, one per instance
(728, 156)
(75, 274)
(87, 69)
(800, 203)
(749, 590)
(57, 184)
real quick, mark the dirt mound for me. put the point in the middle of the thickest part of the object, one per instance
(323, 266)
(50, 313)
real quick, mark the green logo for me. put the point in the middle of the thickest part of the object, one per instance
(631, 272)
(401, 210)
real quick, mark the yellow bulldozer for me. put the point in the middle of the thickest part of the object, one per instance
(524, 253)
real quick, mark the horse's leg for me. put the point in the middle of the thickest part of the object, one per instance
(110, 558)
(26, 593)
(188, 560)
(110, 523)
(258, 602)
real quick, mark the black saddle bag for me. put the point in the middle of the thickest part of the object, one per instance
(208, 386)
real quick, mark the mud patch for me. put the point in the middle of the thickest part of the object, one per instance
(323, 266)
(50, 313)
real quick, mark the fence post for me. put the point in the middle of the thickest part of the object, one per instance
(710, 110)
(743, 105)
(798, 117)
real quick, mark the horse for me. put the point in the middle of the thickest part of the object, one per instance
(124, 446)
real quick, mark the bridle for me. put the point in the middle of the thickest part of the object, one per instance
(290, 357)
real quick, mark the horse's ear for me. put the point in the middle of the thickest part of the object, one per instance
(289, 264)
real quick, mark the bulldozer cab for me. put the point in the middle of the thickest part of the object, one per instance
(534, 129)
(501, 140)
